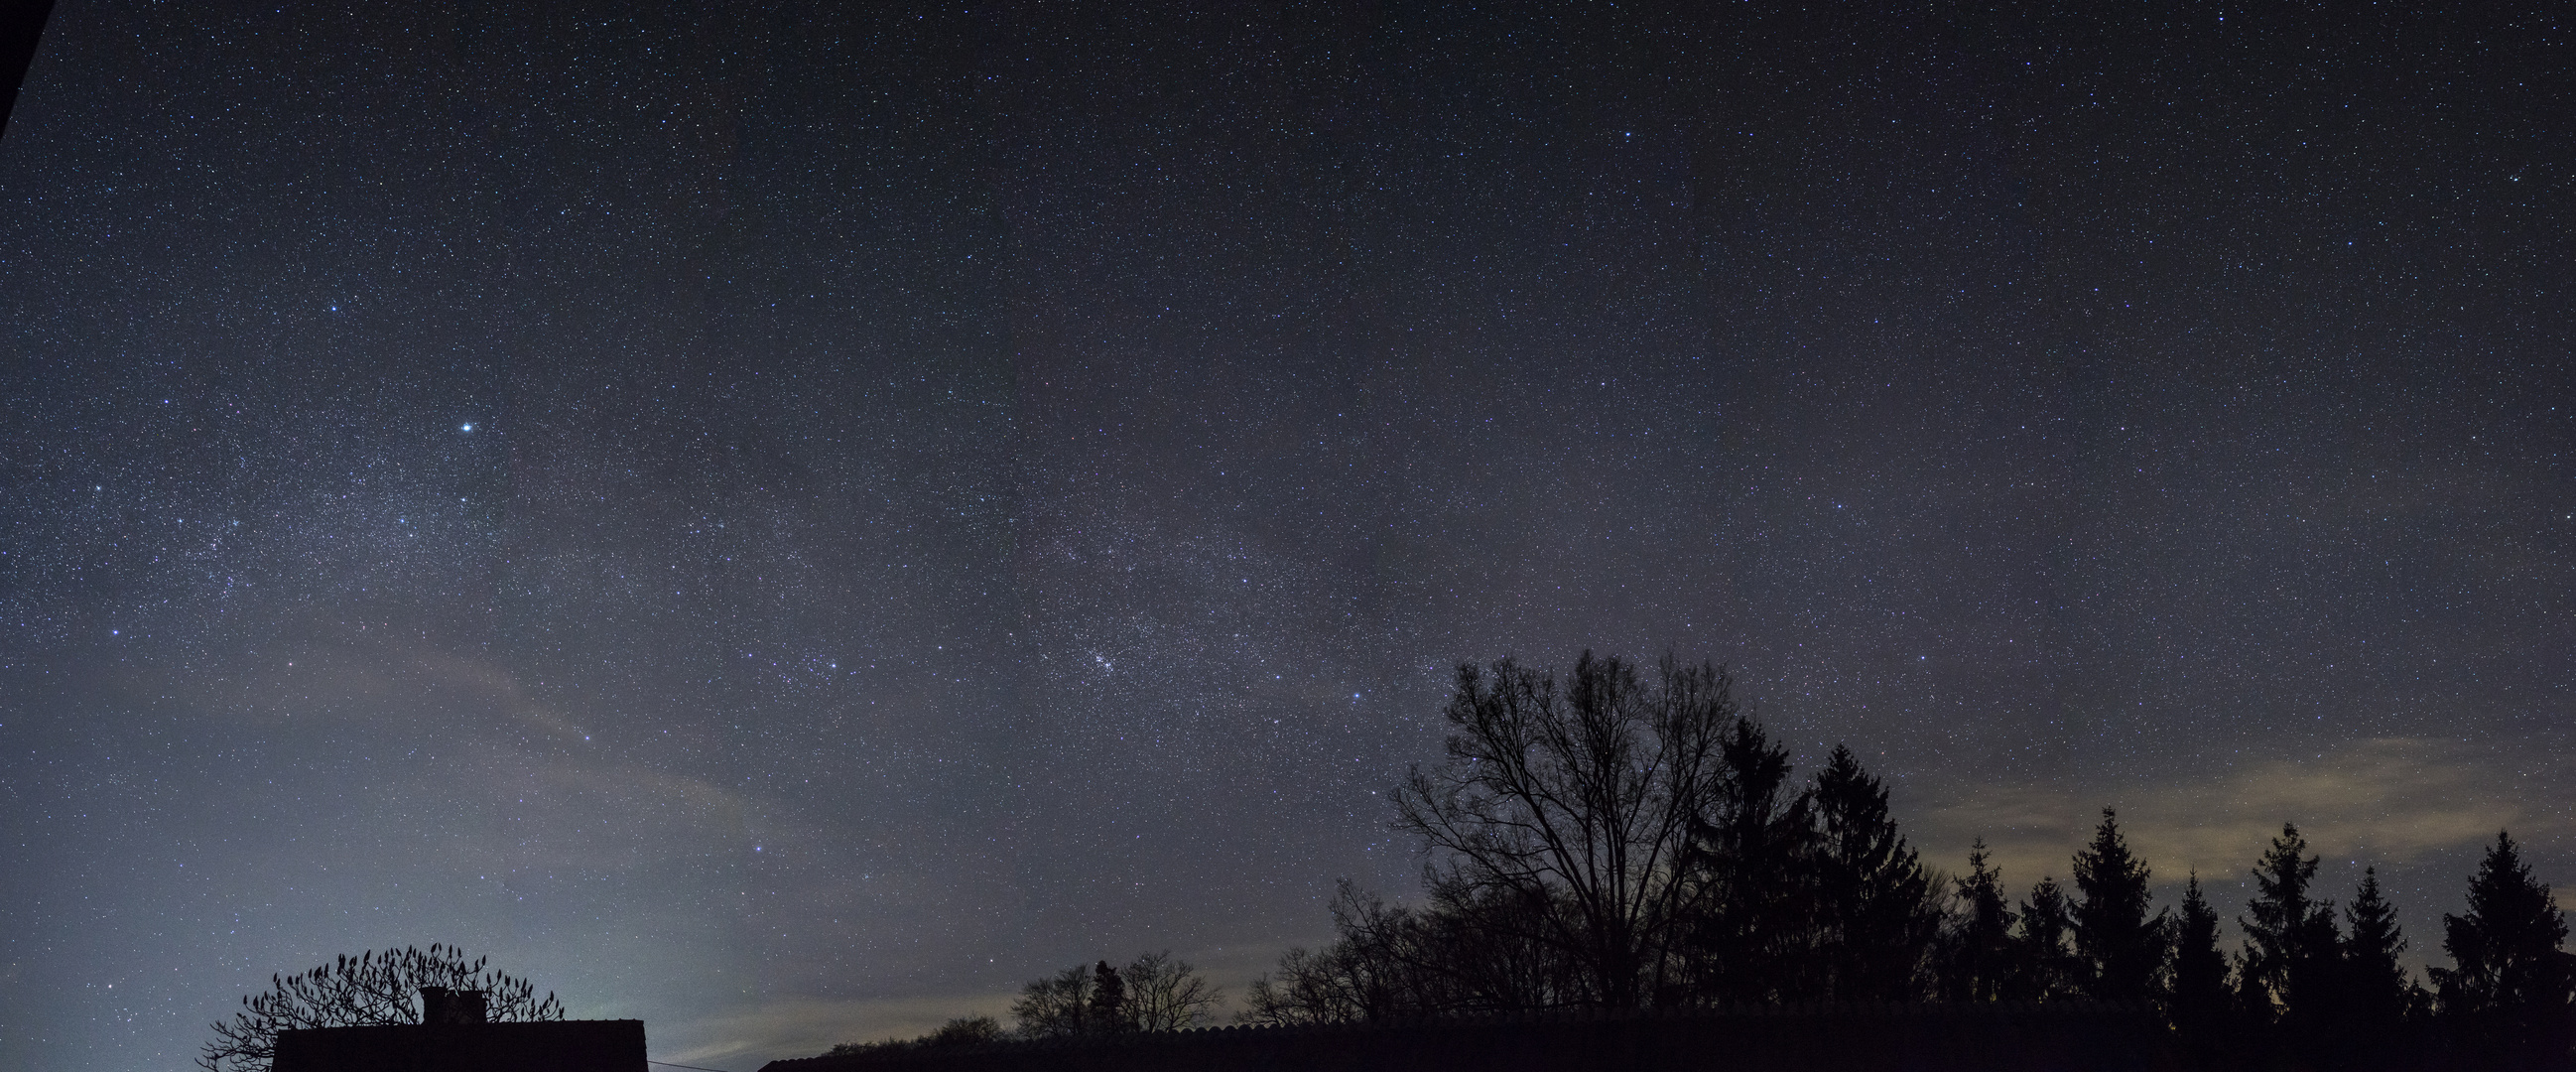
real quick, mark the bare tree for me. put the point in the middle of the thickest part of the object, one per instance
(1164, 994)
(371, 988)
(1152, 993)
(1372, 972)
(1392, 962)
(1578, 805)
(1312, 987)
(1057, 1005)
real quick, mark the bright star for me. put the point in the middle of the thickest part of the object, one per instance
(466, 427)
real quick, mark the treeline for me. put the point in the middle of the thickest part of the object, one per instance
(1153, 992)
(1624, 841)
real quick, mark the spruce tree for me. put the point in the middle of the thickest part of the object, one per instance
(2042, 967)
(2199, 993)
(2510, 968)
(2290, 942)
(1981, 948)
(2251, 997)
(1754, 943)
(2374, 990)
(1873, 898)
(2122, 948)
(1108, 999)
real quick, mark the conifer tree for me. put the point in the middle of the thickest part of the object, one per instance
(1754, 941)
(1108, 999)
(2199, 970)
(2250, 996)
(2043, 969)
(2510, 966)
(1875, 903)
(1981, 948)
(2198, 1002)
(2374, 990)
(2291, 948)
(2123, 948)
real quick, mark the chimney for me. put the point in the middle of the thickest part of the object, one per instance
(443, 1006)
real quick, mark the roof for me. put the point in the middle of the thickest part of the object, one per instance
(537, 1046)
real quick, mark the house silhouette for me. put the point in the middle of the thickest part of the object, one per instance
(453, 1036)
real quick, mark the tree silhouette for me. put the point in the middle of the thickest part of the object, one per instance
(1109, 1011)
(1055, 1006)
(964, 1031)
(1310, 987)
(370, 989)
(2373, 988)
(1490, 950)
(2122, 947)
(2043, 968)
(2197, 1000)
(1576, 806)
(1483, 955)
(1878, 909)
(1752, 940)
(1163, 994)
(960, 1031)
(2199, 991)
(1152, 993)
(1386, 962)
(2251, 998)
(2509, 969)
(1621, 843)
(1980, 967)
(2291, 948)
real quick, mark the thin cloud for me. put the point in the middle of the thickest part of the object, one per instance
(2387, 800)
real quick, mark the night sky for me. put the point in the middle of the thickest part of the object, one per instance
(789, 524)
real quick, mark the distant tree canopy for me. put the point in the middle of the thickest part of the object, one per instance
(1152, 993)
(1622, 839)
(372, 988)
(961, 1031)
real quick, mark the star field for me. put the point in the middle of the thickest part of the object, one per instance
(790, 524)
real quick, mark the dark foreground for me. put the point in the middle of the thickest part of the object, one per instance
(2057, 1037)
